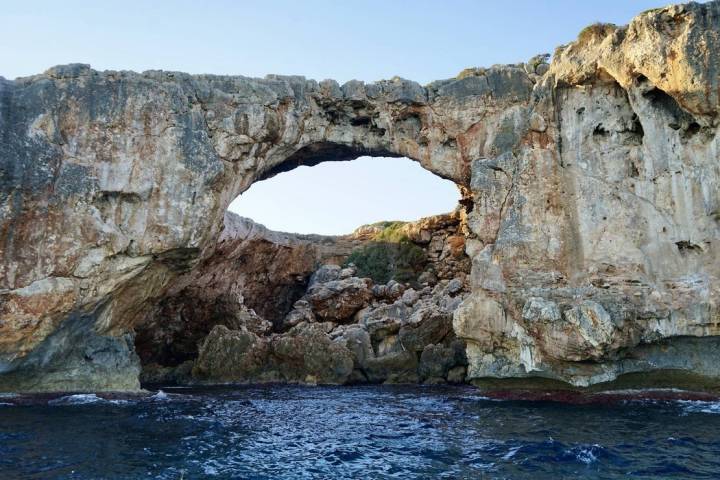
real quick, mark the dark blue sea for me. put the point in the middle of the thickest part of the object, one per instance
(378, 432)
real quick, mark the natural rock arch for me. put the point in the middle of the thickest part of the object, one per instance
(114, 183)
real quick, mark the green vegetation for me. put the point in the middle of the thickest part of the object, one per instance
(391, 232)
(471, 72)
(389, 255)
(651, 10)
(597, 29)
(383, 261)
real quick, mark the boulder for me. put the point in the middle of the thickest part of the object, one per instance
(390, 292)
(324, 274)
(357, 341)
(427, 326)
(305, 354)
(399, 367)
(301, 312)
(231, 356)
(383, 320)
(338, 300)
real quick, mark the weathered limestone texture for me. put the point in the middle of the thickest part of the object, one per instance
(330, 323)
(590, 193)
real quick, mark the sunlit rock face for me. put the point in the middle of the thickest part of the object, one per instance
(590, 192)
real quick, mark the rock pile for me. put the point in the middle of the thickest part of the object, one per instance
(343, 329)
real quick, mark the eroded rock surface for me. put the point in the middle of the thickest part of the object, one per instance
(342, 329)
(590, 196)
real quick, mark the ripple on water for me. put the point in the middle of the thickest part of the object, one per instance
(77, 399)
(369, 432)
(699, 406)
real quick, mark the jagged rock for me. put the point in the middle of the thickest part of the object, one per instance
(399, 367)
(540, 310)
(348, 272)
(338, 300)
(592, 331)
(454, 286)
(357, 341)
(426, 326)
(383, 320)
(582, 332)
(591, 179)
(388, 345)
(252, 322)
(326, 273)
(305, 354)
(301, 312)
(231, 355)
(391, 291)
(410, 296)
(427, 278)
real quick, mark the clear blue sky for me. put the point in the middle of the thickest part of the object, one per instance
(366, 40)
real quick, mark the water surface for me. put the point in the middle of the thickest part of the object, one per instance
(354, 432)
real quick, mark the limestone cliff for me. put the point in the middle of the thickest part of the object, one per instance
(590, 189)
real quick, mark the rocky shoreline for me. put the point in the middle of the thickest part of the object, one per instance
(584, 252)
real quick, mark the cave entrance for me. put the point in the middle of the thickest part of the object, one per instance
(387, 219)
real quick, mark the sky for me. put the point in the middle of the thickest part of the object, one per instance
(337, 197)
(367, 40)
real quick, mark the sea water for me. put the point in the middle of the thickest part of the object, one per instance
(367, 432)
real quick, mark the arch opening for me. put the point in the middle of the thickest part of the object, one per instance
(316, 196)
(378, 235)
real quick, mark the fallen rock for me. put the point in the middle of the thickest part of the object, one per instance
(400, 367)
(427, 326)
(338, 300)
(305, 354)
(301, 312)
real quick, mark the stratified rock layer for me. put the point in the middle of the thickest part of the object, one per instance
(590, 187)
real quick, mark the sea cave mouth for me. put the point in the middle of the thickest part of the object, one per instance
(301, 295)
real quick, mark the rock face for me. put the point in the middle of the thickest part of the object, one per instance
(254, 277)
(590, 195)
(341, 329)
(304, 355)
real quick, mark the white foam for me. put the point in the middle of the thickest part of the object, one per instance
(586, 456)
(700, 406)
(77, 399)
(210, 470)
(160, 395)
(586, 453)
(511, 453)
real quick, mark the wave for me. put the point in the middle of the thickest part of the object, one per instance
(77, 399)
(700, 406)
(160, 395)
(84, 399)
(586, 454)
